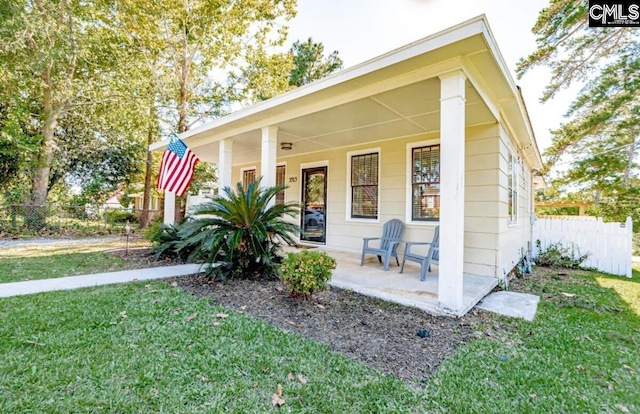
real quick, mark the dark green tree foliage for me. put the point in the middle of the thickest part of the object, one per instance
(238, 234)
(98, 157)
(310, 62)
(9, 161)
(55, 54)
(18, 147)
(603, 122)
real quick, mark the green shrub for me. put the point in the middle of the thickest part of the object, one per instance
(239, 234)
(556, 255)
(119, 216)
(153, 232)
(307, 272)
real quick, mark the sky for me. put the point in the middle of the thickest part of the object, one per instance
(363, 29)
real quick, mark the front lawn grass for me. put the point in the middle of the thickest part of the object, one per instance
(51, 261)
(581, 354)
(139, 348)
(152, 348)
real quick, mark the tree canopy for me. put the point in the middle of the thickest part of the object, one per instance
(603, 121)
(310, 63)
(86, 87)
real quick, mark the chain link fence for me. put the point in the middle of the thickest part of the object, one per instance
(63, 220)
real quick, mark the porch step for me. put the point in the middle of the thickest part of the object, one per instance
(514, 304)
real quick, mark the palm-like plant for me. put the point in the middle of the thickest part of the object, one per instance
(240, 234)
(167, 243)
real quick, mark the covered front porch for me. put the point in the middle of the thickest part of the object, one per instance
(426, 122)
(406, 288)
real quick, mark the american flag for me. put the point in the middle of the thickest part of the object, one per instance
(176, 169)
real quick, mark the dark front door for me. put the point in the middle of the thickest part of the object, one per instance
(314, 200)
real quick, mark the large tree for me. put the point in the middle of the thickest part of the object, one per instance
(141, 25)
(203, 37)
(595, 149)
(603, 122)
(60, 58)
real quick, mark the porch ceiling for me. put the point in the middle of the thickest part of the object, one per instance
(394, 95)
(409, 110)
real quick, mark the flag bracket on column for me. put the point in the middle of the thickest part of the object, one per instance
(176, 169)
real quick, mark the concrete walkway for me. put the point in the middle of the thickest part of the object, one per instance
(98, 279)
(54, 242)
(514, 304)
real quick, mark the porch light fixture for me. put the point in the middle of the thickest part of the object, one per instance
(286, 146)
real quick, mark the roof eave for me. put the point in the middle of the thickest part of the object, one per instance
(455, 33)
(517, 95)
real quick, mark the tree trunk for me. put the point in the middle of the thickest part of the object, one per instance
(36, 216)
(146, 198)
(182, 110)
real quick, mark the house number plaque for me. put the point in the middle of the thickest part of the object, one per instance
(293, 179)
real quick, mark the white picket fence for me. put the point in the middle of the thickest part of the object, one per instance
(609, 244)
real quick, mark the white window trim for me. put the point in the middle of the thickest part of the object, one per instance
(514, 187)
(409, 183)
(314, 164)
(347, 214)
(243, 169)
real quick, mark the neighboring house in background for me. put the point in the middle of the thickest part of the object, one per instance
(113, 202)
(433, 133)
(155, 204)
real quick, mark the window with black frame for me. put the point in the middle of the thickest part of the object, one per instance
(364, 186)
(425, 183)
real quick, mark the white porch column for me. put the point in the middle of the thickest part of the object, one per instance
(452, 137)
(169, 207)
(224, 164)
(269, 156)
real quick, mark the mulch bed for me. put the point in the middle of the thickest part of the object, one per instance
(381, 334)
(140, 257)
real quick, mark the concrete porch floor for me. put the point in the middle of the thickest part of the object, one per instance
(405, 288)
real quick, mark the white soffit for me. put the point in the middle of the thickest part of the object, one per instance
(399, 89)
